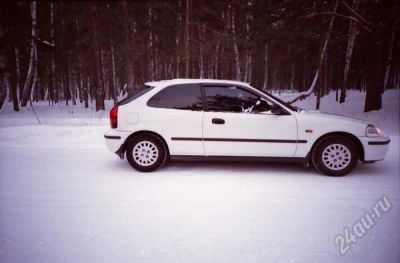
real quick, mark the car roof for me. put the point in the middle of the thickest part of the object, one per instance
(186, 81)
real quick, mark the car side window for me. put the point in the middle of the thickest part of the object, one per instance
(181, 97)
(229, 99)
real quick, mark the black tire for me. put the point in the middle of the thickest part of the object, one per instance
(335, 156)
(137, 149)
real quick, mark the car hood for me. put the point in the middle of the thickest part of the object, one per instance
(333, 116)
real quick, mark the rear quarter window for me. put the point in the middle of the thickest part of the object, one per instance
(134, 96)
(180, 97)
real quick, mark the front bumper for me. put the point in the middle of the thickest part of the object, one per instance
(375, 149)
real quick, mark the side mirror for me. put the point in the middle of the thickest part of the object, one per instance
(261, 106)
(277, 110)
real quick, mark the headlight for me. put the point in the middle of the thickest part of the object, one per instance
(373, 131)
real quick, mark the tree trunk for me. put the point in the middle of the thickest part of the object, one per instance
(236, 48)
(352, 34)
(292, 72)
(248, 71)
(375, 78)
(28, 82)
(86, 93)
(375, 71)
(113, 83)
(3, 88)
(223, 65)
(15, 78)
(99, 89)
(67, 92)
(177, 40)
(156, 65)
(128, 57)
(216, 61)
(103, 71)
(150, 46)
(373, 99)
(100, 84)
(79, 82)
(325, 83)
(202, 33)
(52, 86)
(73, 87)
(318, 91)
(187, 33)
(35, 75)
(79, 55)
(266, 58)
(390, 55)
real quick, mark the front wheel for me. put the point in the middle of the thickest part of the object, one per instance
(146, 152)
(335, 156)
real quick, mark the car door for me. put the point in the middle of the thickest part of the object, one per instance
(231, 128)
(177, 111)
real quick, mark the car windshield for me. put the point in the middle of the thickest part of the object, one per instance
(287, 105)
(134, 96)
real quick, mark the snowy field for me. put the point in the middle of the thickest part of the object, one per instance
(65, 198)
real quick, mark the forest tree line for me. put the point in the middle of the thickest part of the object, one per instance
(76, 52)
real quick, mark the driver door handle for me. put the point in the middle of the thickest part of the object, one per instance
(218, 121)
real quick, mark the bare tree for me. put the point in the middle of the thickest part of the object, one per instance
(16, 76)
(32, 63)
(150, 45)
(187, 33)
(53, 88)
(129, 76)
(113, 82)
(100, 93)
(390, 55)
(266, 65)
(351, 38)
(307, 93)
(178, 40)
(202, 33)
(4, 82)
(248, 65)
(235, 46)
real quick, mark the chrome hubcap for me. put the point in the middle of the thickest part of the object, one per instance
(145, 153)
(336, 156)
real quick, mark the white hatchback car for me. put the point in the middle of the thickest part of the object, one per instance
(199, 119)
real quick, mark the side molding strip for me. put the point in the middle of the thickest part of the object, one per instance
(379, 143)
(238, 158)
(236, 140)
(112, 137)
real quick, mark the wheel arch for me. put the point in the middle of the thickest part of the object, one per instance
(347, 135)
(142, 132)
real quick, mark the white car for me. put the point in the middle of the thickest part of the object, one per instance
(199, 119)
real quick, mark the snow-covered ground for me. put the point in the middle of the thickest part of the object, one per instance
(65, 198)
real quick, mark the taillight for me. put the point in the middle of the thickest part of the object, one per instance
(114, 117)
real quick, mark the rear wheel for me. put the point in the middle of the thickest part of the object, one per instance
(146, 152)
(335, 156)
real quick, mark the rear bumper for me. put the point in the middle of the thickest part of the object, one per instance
(115, 140)
(375, 149)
